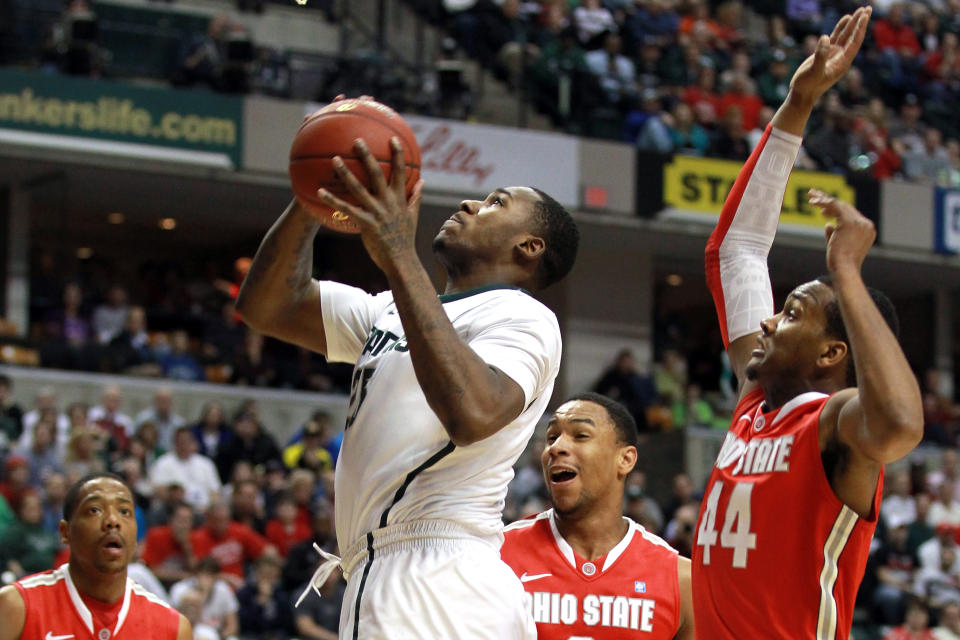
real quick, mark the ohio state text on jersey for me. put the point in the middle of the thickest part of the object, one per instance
(776, 553)
(631, 592)
(54, 609)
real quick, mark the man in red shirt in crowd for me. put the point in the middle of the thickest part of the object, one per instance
(167, 549)
(231, 543)
(286, 529)
(91, 596)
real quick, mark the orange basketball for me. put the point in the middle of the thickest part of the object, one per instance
(330, 132)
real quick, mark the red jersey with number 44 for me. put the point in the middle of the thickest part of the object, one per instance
(631, 592)
(56, 611)
(776, 553)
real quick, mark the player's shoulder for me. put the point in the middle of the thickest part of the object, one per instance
(528, 525)
(520, 301)
(648, 541)
(43, 579)
(144, 597)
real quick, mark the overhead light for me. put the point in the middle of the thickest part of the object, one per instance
(674, 280)
(116, 218)
(168, 224)
(84, 253)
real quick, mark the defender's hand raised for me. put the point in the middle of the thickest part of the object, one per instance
(849, 236)
(387, 220)
(832, 58)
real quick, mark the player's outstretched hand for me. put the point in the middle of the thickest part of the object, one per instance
(849, 235)
(833, 56)
(387, 219)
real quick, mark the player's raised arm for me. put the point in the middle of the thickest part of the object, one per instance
(736, 253)
(185, 632)
(279, 296)
(882, 419)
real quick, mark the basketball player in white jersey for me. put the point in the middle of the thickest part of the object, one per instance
(445, 395)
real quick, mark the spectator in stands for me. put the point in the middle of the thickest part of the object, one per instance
(196, 472)
(285, 529)
(936, 586)
(54, 491)
(167, 550)
(67, 333)
(108, 417)
(223, 335)
(26, 547)
(919, 530)
(949, 627)
(928, 553)
(731, 139)
(899, 505)
(942, 69)
(319, 618)
(190, 604)
(264, 604)
(916, 625)
(688, 137)
(211, 431)
(679, 529)
(302, 557)
(615, 71)
(852, 89)
(130, 350)
(640, 506)
(331, 441)
(246, 502)
(219, 604)
(110, 317)
(682, 493)
(162, 415)
(931, 164)
(828, 143)
(895, 573)
(202, 57)
(44, 455)
(165, 502)
(654, 22)
(179, 363)
(774, 83)
(907, 128)
(945, 508)
(16, 481)
(253, 366)
(250, 443)
(310, 453)
(11, 415)
(702, 95)
(86, 453)
(593, 21)
(898, 46)
(230, 543)
(145, 444)
(623, 383)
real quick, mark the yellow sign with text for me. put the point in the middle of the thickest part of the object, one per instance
(702, 184)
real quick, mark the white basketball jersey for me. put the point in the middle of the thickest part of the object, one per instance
(397, 463)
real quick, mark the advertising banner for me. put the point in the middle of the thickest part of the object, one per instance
(696, 188)
(946, 221)
(77, 109)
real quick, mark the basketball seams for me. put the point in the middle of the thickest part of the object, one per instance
(382, 121)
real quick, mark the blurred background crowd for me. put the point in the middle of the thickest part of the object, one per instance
(671, 76)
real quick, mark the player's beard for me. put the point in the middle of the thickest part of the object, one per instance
(584, 500)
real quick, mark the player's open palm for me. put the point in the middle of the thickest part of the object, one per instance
(833, 56)
(387, 219)
(849, 235)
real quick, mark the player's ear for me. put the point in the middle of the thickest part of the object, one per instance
(64, 528)
(832, 352)
(626, 460)
(530, 248)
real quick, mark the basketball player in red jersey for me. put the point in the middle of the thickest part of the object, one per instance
(826, 399)
(590, 572)
(91, 596)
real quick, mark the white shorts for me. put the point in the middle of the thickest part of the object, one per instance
(432, 581)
